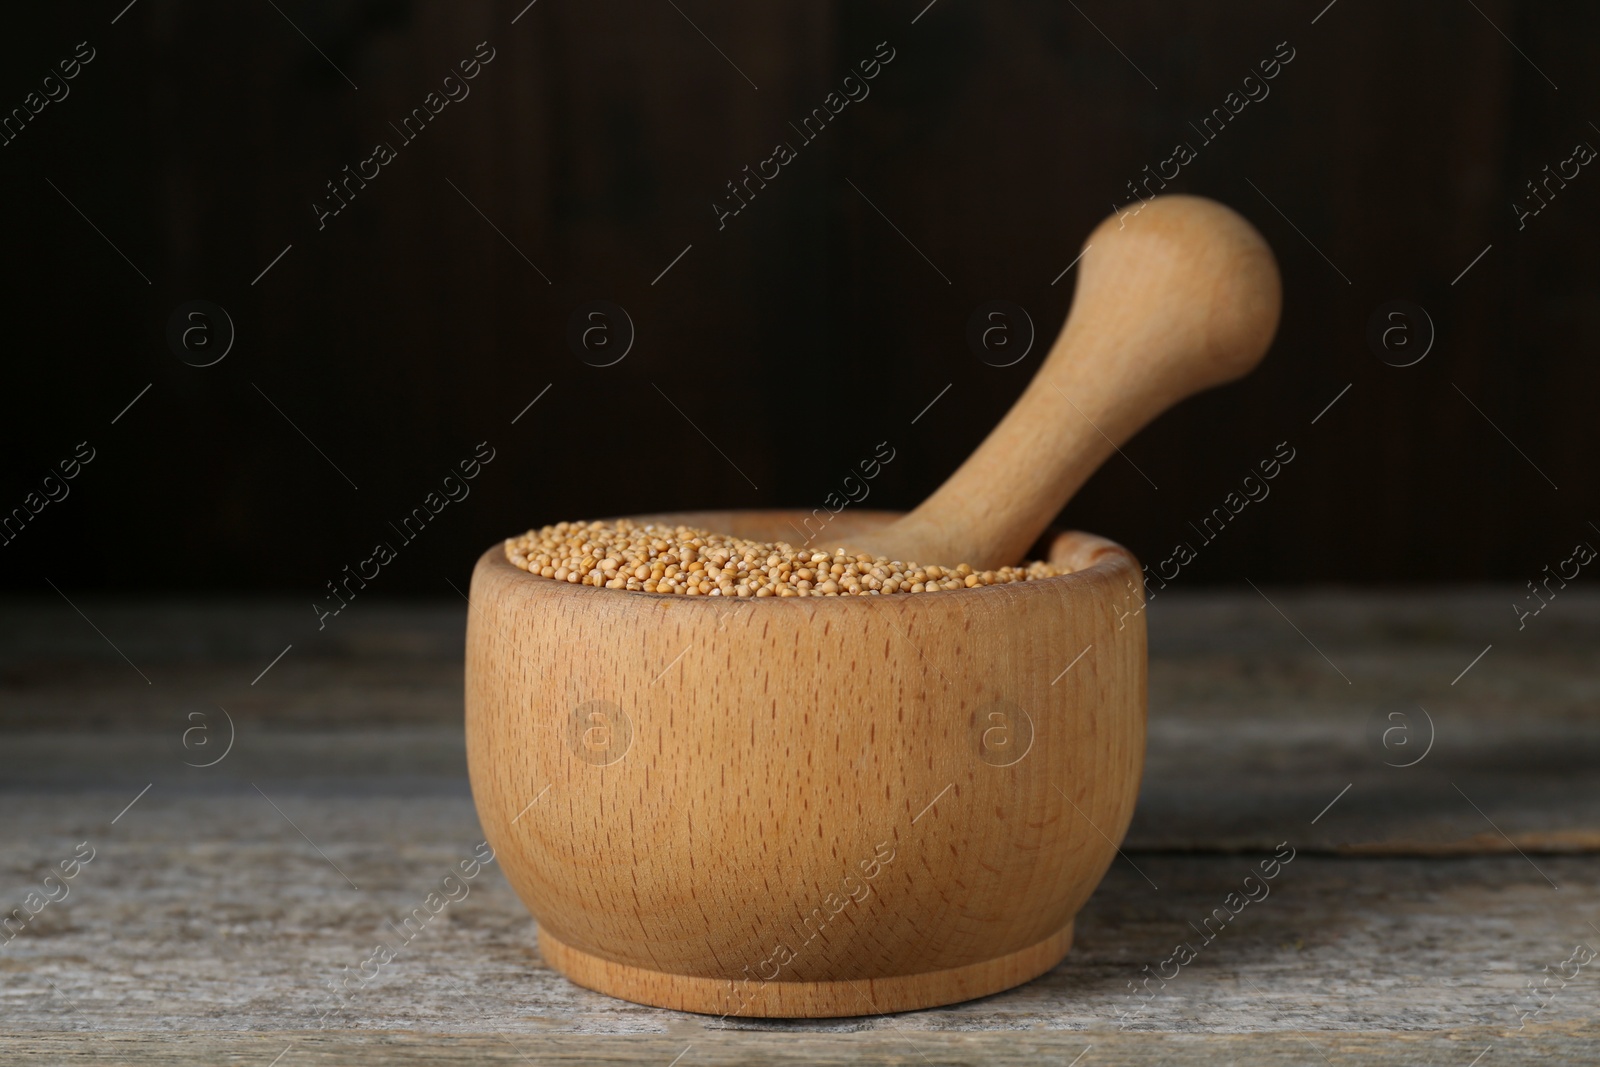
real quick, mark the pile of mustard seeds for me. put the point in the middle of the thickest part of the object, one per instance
(681, 559)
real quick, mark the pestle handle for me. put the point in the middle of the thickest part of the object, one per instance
(1180, 297)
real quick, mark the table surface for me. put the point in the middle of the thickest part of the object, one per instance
(1432, 764)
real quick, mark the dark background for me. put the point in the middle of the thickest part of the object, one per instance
(807, 331)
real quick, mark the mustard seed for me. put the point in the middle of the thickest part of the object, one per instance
(690, 562)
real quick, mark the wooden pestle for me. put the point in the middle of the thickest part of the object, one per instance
(1175, 298)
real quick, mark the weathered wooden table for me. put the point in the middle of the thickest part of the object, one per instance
(1432, 766)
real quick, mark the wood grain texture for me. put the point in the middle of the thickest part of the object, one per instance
(207, 928)
(1173, 298)
(596, 142)
(1246, 717)
(1571, 1043)
(206, 915)
(766, 807)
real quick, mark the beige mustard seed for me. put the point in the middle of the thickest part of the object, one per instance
(691, 562)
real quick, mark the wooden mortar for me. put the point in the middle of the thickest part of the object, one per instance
(749, 756)
(825, 806)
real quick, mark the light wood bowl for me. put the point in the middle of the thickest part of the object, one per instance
(814, 806)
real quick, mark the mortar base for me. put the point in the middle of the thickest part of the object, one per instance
(804, 1000)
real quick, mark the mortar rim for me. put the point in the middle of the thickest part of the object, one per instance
(1105, 558)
